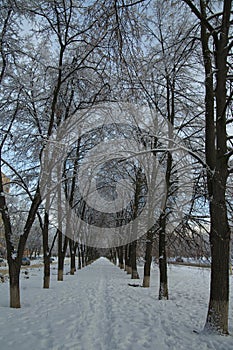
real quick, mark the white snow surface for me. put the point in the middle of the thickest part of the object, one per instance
(97, 309)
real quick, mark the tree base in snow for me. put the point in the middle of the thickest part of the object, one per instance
(15, 297)
(46, 282)
(134, 275)
(60, 275)
(146, 282)
(215, 322)
(128, 270)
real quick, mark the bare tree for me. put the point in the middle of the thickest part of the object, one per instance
(216, 45)
(41, 88)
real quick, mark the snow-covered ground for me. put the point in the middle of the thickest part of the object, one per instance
(97, 309)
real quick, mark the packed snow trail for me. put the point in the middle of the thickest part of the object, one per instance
(97, 310)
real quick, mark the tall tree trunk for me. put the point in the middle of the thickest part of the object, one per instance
(134, 272)
(120, 257)
(127, 259)
(46, 254)
(60, 258)
(113, 256)
(148, 258)
(46, 282)
(126, 256)
(72, 256)
(216, 159)
(170, 110)
(129, 268)
(217, 317)
(163, 286)
(14, 273)
(83, 254)
(79, 258)
(61, 254)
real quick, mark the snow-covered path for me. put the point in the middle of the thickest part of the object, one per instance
(96, 309)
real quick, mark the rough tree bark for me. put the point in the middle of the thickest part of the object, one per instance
(127, 259)
(82, 247)
(148, 259)
(217, 317)
(62, 246)
(216, 102)
(133, 258)
(45, 235)
(79, 258)
(73, 248)
(120, 257)
(163, 285)
(128, 256)
(14, 273)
